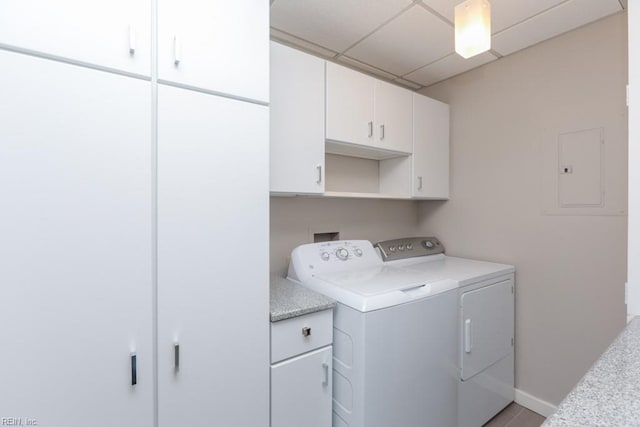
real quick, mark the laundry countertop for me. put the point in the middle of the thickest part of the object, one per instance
(289, 299)
(609, 393)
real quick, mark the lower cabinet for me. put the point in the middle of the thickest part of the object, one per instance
(302, 371)
(301, 390)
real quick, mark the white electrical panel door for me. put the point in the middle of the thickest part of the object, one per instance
(487, 324)
(393, 112)
(301, 390)
(216, 45)
(430, 160)
(76, 245)
(349, 106)
(213, 249)
(114, 34)
(297, 121)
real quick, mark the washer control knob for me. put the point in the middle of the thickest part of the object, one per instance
(409, 246)
(428, 244)
(401, 247)
(342, 254)
(392, 248)
(358, 252)
(324, 256)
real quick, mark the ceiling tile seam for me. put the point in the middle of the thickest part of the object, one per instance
(303, 40)
(395, 76)
(530, 17)
(435, 13)
(426, 65)
(375, 30)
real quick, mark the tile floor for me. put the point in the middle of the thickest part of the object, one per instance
(515, 415)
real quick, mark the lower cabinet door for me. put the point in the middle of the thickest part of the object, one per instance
(301, 390)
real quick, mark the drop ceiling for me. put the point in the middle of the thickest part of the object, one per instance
(410, 42)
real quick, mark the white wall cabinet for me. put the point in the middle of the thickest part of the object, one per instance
(430, 159)
(75, 210)
(296, 122)
(410, 161)
(216, 45)
(302, 371)
(113, 34)
(366, 111)
(212, 260)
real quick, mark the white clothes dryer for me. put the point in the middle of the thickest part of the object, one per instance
(485, 322)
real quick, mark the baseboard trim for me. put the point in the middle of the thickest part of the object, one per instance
(540, 406)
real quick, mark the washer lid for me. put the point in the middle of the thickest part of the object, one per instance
(378, 287)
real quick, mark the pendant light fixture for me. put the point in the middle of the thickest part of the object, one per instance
(473, 27)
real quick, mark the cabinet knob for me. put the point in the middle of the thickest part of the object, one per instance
(306, 331)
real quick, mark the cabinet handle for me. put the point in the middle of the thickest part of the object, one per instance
(134, 368)
(132, 40)
(176, 357)
(419, 183)
(319, 167)
(468, 344)
(177, 51)
(306, 331)
(381, 132)
(325, 369)
(370, 129)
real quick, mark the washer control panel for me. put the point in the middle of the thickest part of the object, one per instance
(332, 257)
(409, 247)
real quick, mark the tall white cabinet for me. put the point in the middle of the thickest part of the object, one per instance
(134, 213)
(75, 251)
(212, 260)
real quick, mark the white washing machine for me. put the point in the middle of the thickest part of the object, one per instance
(394, 336)
(485, 322)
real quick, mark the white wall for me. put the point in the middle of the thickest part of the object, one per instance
(570, 269)
(295, 219)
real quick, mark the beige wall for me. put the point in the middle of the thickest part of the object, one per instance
(295, 219)
(570, 269)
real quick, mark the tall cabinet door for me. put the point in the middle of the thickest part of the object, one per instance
(297, 121)
(114, 34)
(430, 158)
(215, 45)
(75, 251)
(213, 234)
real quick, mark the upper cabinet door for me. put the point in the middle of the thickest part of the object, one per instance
(393, 111)
(297, 121)
(349, 107)
(113, 34)
(219, 46)
(75, 209)
(430, 148)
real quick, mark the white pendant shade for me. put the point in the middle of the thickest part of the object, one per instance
(473, 27)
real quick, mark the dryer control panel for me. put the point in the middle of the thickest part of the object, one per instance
(409, 247)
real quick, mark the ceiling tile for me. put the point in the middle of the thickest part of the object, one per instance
(448, 67)
(365, 67)
(301, 44)
(551, 23)
(504, 13)
(334, 24)
(415, 38)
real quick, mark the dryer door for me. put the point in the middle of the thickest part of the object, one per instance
(486, 327)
